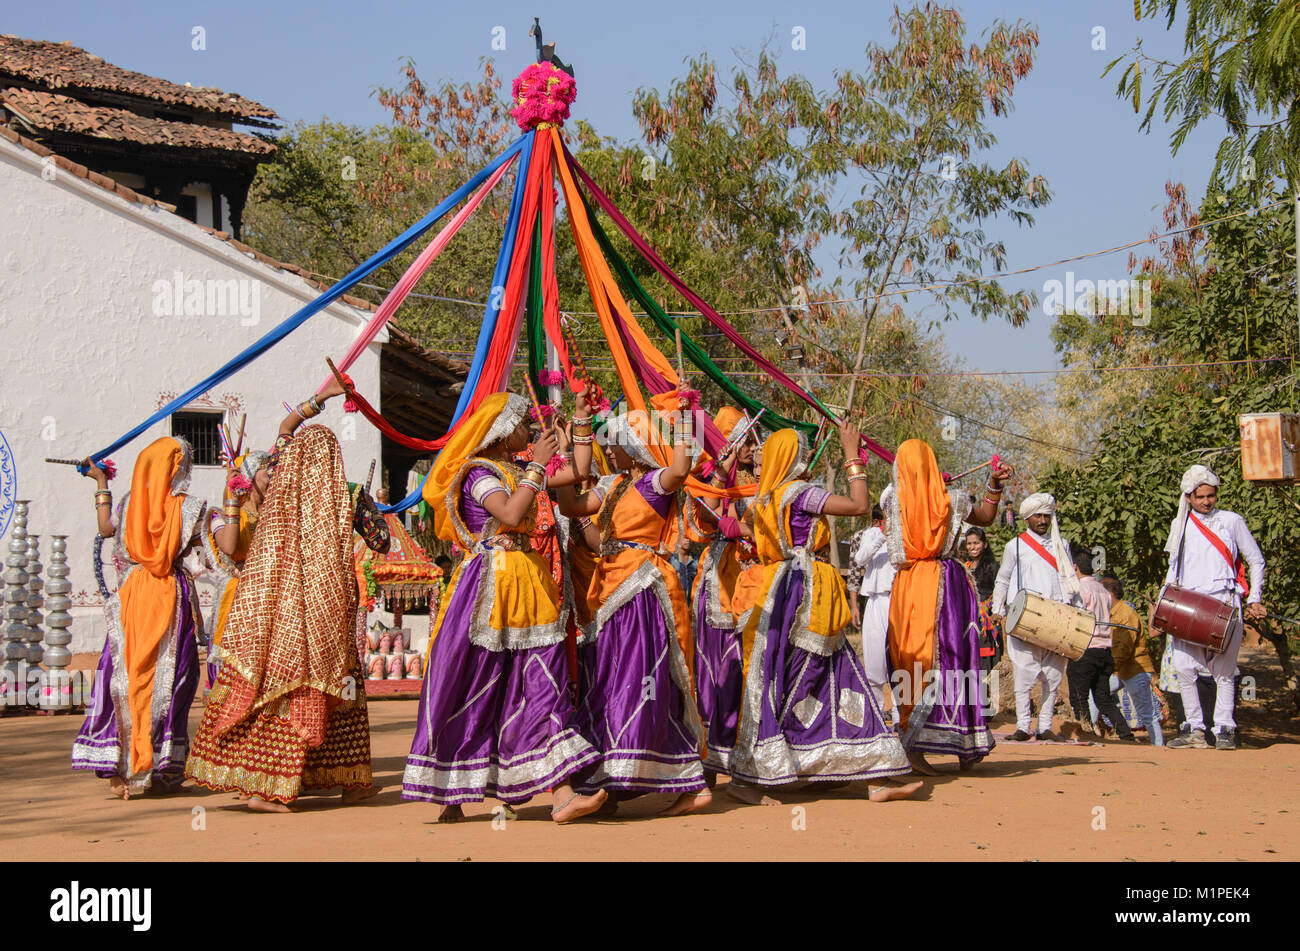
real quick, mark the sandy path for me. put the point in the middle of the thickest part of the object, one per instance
(1024, 802)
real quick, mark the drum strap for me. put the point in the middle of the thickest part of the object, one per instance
(1033, 543)
(1238, 565)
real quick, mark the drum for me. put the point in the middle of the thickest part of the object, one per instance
(1195, 617)
(1058, 627)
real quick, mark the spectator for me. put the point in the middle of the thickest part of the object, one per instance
(1091, 672)
(983, 567)
(1133, 663)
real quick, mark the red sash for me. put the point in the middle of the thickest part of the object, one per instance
(1033, 543)
(1238, 566)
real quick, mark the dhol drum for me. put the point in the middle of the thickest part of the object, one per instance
(1060, 628)
(1195, 617)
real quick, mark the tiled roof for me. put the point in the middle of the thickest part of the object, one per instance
(52, 113)
(67, 67)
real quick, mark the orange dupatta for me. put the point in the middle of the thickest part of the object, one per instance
(924, 510)
(152, 527)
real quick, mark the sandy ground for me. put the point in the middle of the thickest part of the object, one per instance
(1026, 801)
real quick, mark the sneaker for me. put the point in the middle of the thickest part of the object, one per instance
(1020, 736)
(1047, 736)
(1226, 740)
(1188, 739)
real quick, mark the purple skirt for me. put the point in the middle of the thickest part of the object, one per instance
(638, 707)
(808, 715)
(718, 676)
(949, 715)
(491, 722)
(98, 746)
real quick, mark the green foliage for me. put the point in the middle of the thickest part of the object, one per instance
(1242, 59)
(1240, 305)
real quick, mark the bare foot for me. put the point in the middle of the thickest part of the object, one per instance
(919, 765)
(451, 814)
(575, 806)
(610, 808)
(749, 794)
(257, 804)
(689, 802)
(117, 786)
(352, 796)
(891, 791)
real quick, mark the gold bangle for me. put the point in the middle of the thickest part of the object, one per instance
(230, 511)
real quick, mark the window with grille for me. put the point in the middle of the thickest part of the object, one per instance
(200, 431)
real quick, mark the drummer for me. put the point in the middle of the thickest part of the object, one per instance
(1215, 548)
(1037, 560)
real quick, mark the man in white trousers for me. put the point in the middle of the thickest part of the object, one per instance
(1037, 560)
(1209, 549)
(872, 557)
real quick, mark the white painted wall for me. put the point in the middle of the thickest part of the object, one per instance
(84, 357)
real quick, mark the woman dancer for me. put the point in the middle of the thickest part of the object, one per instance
(288, 711)
(135, 733)
(808, 711)
(718, 660)
(495, 718)
(934, 618)
(229, 542)
(638, 705)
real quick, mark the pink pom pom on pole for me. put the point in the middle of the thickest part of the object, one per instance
(110, 470)
(692, 397)
(557, 463)
(551, 377)
(995, 461)
(239, 483)
(349, 405)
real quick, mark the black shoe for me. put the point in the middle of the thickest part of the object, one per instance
(1020, 736)
(1128, 737)
(1226, 740)
(1047, 736)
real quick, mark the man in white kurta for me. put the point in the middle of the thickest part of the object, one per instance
(1197, 563)
(1025, 566)
(872, 556)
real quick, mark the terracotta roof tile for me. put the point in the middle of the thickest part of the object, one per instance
(53, 113)
(64, 66)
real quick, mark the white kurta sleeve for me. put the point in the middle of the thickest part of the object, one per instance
(998, 605)
(869, 544)
(1249, 550)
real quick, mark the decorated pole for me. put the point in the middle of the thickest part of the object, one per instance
(35, 601)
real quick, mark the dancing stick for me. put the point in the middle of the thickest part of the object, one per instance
(338, 376)
(962, 475)
(243, 418)
(65, 462)
(537, 404)
(370, 475)
(681, 366)
(574, 353)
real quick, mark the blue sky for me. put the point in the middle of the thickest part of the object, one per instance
(312, 60)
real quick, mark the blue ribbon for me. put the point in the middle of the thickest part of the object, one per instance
(278, 333)
(490, 314)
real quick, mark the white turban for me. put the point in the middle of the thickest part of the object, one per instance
(1042, 503)
(1193, 478)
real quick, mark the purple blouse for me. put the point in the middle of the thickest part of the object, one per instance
(650, 490)
(804, 512)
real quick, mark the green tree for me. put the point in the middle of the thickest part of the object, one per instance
(1237, 304)
(1242, 59)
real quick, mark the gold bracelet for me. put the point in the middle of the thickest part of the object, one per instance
(230, 511)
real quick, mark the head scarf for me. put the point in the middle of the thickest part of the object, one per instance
(630, 435)
(1193, 478)
(493, 421)
(726, 420)
(151, 527)
(1042, 503)
(252, 462)
(291, 627)
(785, 454)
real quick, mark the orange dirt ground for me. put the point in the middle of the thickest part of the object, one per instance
(1023, 802)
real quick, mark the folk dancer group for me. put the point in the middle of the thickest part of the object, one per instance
(603, 679)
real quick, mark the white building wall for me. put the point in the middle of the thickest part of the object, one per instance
(88, 350)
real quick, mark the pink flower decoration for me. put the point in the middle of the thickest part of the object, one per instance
(604, 406)
(692, 397)
(110, 470)
(551, 377)
(542, 93)
(547, 410)
(239, 483)
(350, 405)
(996, 459)
(863, 454)
(557, 463)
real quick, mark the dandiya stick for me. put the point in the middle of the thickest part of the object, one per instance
(239, 445)
(681, 365)
(65, 462)
(537, 404)
(962, 475)
(574, 353)
(370, 475)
